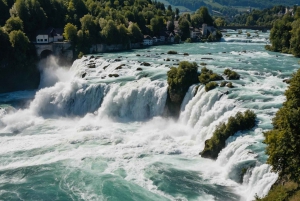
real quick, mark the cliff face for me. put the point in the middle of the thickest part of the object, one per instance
(174, 100)
(179, 81)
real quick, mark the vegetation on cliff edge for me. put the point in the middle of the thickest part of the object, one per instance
(283, 145)
(241, 121)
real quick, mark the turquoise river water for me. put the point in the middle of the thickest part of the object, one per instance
(87, 136)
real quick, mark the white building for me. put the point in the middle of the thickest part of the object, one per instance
(50, 35)
(147, 40)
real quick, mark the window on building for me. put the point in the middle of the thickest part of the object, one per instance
(46, 40)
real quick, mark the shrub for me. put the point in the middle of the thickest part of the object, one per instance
(231, 75)
(80, 55)
(208, 75)
(183, 77)
(211, 85)
(241, 121)
(172, 52)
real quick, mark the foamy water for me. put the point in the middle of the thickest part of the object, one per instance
(87, 134)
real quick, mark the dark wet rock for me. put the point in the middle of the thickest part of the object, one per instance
(83, 75)
(186, 54)
(287, 81)
(120, 67)
(113, 75)
(105, 67)
(92, 66)
(172, 52)
(206, 58)
(145, 64)
(139, 69)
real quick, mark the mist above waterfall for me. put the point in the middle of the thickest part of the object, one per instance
(52, 72)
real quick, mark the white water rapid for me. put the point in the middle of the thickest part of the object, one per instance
(97, 131)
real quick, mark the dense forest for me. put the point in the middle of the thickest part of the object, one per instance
(85, 22)
(265, 17)
(285, 34)
(257, 3)
(228, 4)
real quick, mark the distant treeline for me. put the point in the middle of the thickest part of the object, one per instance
(266, 17)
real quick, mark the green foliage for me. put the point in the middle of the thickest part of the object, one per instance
(287, 191)
(282, 141)
(135, 33)
(208, 75)
(184, 26)
(265, 17)
(19, 40)
(285, 35)
(211, 85)
(70, 32)
(32, 15)
(181, 78)
(241, 121)
(14, 24)
(231, 75)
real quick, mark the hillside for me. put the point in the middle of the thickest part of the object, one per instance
(222, 4)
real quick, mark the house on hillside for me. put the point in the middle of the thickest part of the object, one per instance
(147, 40)
(49, 35)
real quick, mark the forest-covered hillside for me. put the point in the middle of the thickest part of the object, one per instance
(228, 5)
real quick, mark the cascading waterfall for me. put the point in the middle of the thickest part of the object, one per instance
(97, 132)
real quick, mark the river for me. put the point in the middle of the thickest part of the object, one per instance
(96, 131)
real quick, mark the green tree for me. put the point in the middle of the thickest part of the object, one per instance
(282, 141)
(295, 38)
(135, 33)
(123, 34)
(110, 33)
(70, 32)
(184, 26)
(19, 40)
(14, 24)
(32, 15)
